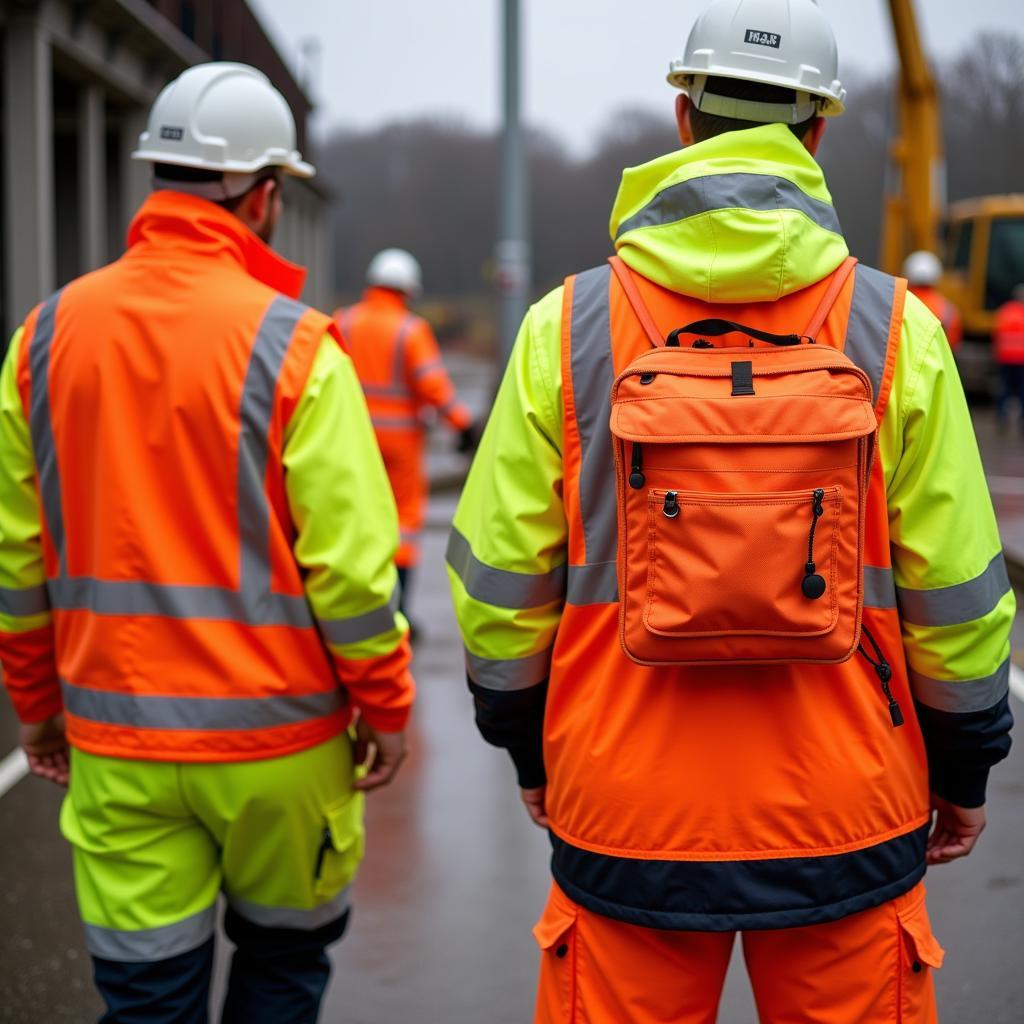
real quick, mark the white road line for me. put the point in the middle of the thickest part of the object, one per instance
(1006, 484)
(1017, 681)
(13, 768)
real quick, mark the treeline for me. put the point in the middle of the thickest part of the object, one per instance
(432, 185)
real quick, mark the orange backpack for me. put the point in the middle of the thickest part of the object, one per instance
(742, 476)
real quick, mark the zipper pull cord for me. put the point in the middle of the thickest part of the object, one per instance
(884, 672)
(636, 468)
(813, 585)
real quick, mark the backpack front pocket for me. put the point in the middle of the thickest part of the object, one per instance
(743, 564)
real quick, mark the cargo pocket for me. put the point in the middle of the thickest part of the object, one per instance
(555, 933)
(920, 954)
(340, 847)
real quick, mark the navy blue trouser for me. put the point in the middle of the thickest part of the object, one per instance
(278, 976)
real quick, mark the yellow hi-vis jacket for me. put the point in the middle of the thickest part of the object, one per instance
(743, 218)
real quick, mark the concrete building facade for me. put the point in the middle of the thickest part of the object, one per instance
(77, 78)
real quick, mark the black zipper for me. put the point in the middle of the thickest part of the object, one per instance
(327, 843)
(884, 672)
(636, 468)
(813, 585)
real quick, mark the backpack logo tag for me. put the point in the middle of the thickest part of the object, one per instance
(758, 38)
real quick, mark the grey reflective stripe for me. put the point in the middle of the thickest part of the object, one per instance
(764, 192)
(879, 588)
(24, 602)
(962, 602)
(142, 944)
(511, 673)
(593, 374)
(178, 601)
(962, 696)
(345, 321)
(201, 713)
(293, 917)
(867, 331)
(593, 584)
(397, 422)
(357, 628)
(424, 368)
(41, 427)
(396, 387)
(267, 357)
(502, 588)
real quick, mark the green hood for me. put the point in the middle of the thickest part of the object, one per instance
(744, 217)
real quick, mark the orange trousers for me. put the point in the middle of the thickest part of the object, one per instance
(404, 457)
(868, 968)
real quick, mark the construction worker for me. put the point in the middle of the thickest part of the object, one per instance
(399, 365)
(796, 804)
(1008, 350)
(923, 271)
(198, 588)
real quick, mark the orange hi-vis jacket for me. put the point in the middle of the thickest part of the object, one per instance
(399, 365)
(946, 312)
(191, 603)
(1008, 336)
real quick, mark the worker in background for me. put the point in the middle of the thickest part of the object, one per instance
(797, 805)
(399, 365)
(923, 271)
(197, 587)
(1008, 350)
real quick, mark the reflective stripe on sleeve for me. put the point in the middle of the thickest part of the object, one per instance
(962, 696)
(144, 944)
(357, 628)
(24, 602)
(424, 368)
(740, 191)
(293, 917)
(511, 673)
(962, 602)
(219, 714)
(502, 588)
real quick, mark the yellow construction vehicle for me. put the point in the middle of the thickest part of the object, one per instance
(981, 240)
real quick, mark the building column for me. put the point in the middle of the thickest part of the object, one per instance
(29, 246)
(92, 178)
(136, 175)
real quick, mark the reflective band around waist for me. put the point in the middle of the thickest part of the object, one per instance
(220, 714)
(144, 944)
(397, 422)
(392, 391)
(502, 588)
(962, 602)
(740, 191)
(293, 917)
(509, 674)
(22, 603)
(357, 628)
(962, 696)
(177, 601)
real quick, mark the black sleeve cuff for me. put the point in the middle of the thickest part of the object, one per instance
(965, 788)
(514, 721)
(528, 757)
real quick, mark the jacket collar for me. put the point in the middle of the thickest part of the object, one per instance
(185, 223)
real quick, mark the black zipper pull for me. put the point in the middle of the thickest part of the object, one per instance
(636, 469)
(884, 672)
(671, 507)
(813, 585)
(327, 843)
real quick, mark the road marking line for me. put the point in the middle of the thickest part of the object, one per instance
(1006, 484)
(1017, 682)
(13, 768)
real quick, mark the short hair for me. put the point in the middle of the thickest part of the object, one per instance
(707, 126)
(175, 174)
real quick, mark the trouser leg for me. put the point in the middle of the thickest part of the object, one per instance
(172, 991)
(404, 583)
(595, 970)
(278, 975)
(870, 968)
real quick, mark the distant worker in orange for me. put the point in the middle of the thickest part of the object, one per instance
(923, 270)
(1008, 350)
(399, 364)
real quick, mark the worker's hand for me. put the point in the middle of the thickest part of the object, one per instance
(468, 440)
(534, 800)
(46, 748)
(380, 752)
(955, 831)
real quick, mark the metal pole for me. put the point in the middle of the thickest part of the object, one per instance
(513, 249)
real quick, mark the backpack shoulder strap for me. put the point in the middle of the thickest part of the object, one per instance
(831, 296)
(643, 314)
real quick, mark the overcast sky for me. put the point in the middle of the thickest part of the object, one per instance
(382, 60)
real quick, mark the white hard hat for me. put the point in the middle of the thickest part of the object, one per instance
(786, 43)
(222, 117)
(397, 269)
(923, 268)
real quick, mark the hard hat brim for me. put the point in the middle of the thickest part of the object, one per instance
(680, 77)
(293, 164)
